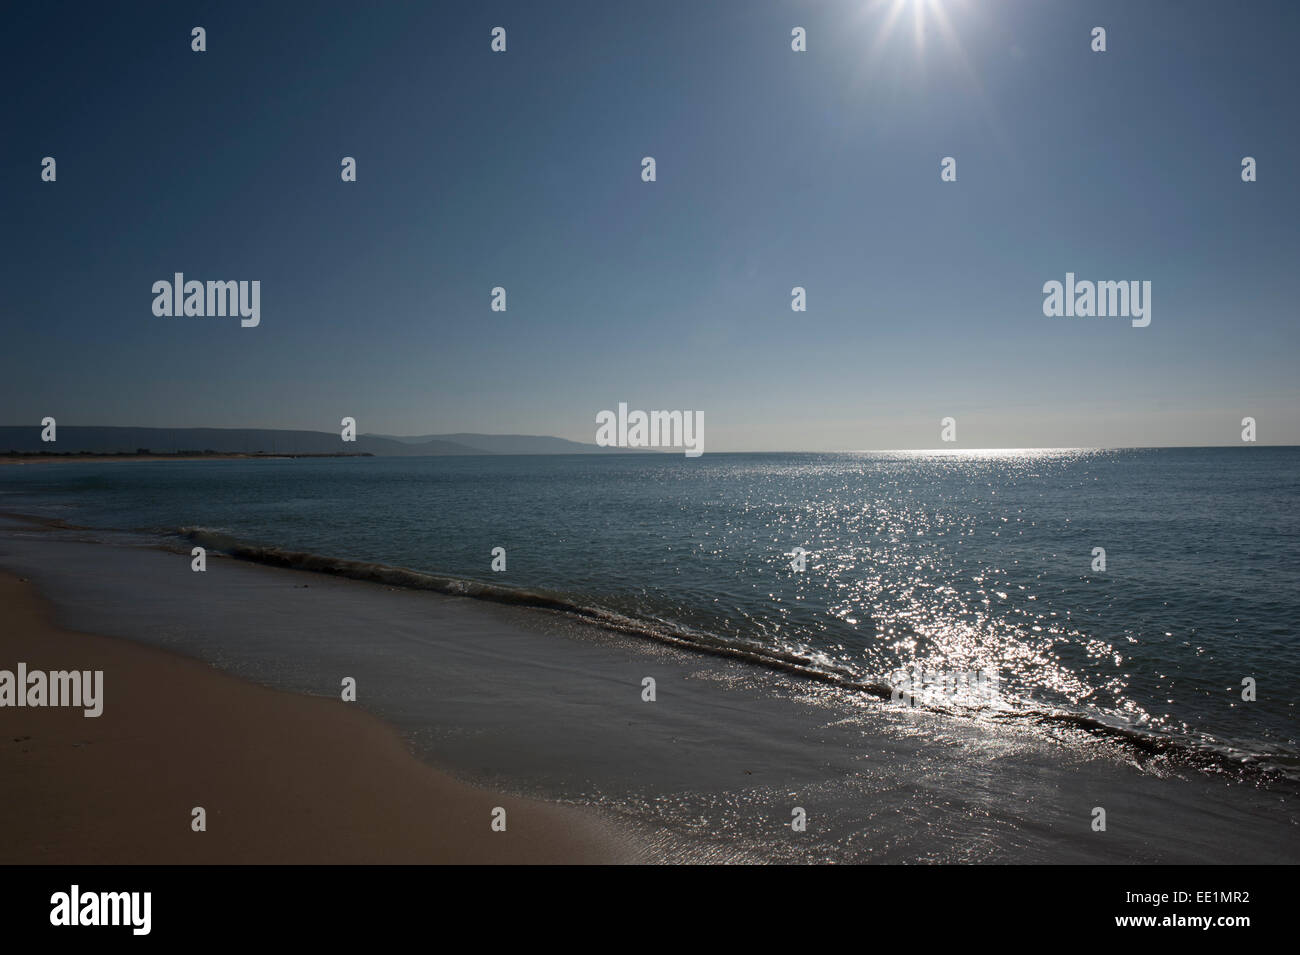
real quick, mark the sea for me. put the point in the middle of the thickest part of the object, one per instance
(1147, 595)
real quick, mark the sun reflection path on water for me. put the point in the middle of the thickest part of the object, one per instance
(929, 577)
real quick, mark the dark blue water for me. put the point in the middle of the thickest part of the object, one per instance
(939, 563)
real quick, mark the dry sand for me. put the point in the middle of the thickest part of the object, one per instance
(284, 778)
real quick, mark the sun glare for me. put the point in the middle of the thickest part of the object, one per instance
(924, 14)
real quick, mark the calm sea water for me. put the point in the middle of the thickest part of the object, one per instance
(947, 563)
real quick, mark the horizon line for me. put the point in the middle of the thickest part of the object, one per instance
(951, 449)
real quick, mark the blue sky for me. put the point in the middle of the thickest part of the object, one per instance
(775, 169)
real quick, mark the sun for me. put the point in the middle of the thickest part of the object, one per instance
(926, 15)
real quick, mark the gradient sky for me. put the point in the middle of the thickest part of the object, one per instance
(775, 169)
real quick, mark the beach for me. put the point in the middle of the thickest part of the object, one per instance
(282, 777)
(481, 699)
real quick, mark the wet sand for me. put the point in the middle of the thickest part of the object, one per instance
(284, 778)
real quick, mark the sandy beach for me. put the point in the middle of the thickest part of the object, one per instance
(459, 699)
(284, 778)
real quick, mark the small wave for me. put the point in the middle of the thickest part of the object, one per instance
(1144, 745)
(522, 597)
(52, 523)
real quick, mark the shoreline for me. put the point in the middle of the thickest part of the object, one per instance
(283, 777)
(1142, 744)
(510, 699)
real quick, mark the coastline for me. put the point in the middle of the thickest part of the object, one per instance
(30, 458)
(522, 701)
(283, 778)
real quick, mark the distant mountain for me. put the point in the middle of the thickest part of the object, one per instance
(72, 439)
(506, 443)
